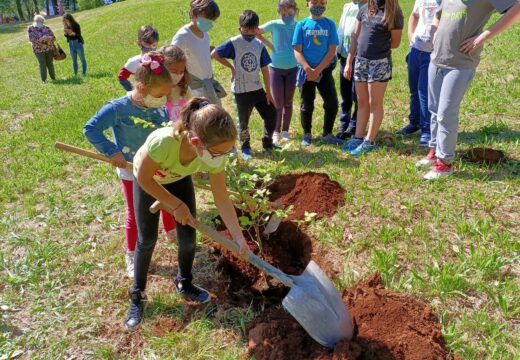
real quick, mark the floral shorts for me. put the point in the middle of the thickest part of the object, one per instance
(366, 70)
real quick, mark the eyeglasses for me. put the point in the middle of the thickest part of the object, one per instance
(217, 155)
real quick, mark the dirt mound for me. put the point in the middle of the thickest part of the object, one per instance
(484, 155)
(311, 192)
(388, 326)
(289, 249)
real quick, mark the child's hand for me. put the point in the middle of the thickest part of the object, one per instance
(270, 99)
(347, 73)
(243, 248)
(118, 160)
(183, 215)
(313, 76)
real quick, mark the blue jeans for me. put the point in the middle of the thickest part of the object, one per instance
(418, 62)
(76, 49)
(347, 88)
(446, 88)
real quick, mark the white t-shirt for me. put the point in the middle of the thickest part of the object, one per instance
(133, 63)
(423, 36)
(196, 50)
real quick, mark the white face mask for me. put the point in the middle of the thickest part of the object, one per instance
(212, 161)
(154, 102)
(38, 24)
(176, 78)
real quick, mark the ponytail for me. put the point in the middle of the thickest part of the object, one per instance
(211, 123)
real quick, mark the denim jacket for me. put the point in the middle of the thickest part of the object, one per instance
(130, 124)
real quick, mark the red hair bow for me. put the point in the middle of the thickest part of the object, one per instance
(153, 62)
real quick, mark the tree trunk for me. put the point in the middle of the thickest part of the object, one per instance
(36, 6)
(28, 9)
(55, 6)
(20, 10)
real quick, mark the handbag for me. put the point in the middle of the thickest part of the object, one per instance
(59, 54)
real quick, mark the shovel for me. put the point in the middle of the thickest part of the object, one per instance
(313, 300)
(272, 225)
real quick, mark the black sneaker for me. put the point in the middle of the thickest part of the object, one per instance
(135, 313)
(191, 292)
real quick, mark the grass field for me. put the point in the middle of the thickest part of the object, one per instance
(454, 243)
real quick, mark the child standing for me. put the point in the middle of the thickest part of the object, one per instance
(72, 32)
(130, 118)
(378, 30)
(163, 167)
(250, 58)
(420, 35)
(315, 41)
(193, 39)
(283, 69)
(347, 119)
(147, 39)
(175, 61)
(456, 55)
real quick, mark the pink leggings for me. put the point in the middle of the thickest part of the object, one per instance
(131, 226)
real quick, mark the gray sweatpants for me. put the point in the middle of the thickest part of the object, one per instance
(446, 88)
(45, 60)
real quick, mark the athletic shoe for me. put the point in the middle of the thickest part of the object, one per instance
(331, 139)
(408, 130)
(424, 140)
(246, 154)
(191, 292)
(129, 260)
(353, 143)
(276, 137)
(429, 160)
(135, 313)
(286, 136)
(273, 148)
(365, 147)
(439, 170)
(307, 139)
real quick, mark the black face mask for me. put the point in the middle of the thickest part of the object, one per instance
(380, 3)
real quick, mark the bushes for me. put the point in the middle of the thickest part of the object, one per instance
(89, 4)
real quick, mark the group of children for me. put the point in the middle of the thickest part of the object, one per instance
(171, 124)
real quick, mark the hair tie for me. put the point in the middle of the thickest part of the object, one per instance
(152, 62)
(202, 104)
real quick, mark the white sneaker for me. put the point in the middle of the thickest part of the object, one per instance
(285, 136)
(276, 137)
(171, 235)
(428, 160)
(129, 260)
(439, 170)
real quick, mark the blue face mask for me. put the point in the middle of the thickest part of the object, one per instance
(317, 10)
(288, 19)
(248, 38)
(204, 24)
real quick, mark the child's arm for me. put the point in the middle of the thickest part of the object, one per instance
(123, 76)
(93, 130)
(298, 54)
(511, 16)
(226, 209)
(412, 24)
(267, 82)
(223, 52)
(327, 59)
(145, 173)
(396, 38)
(347, 73)
(260, 36)
(396, 32)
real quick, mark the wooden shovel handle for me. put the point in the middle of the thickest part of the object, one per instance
(233, 247)
(88, 153)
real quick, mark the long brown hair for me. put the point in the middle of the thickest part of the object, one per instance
(211, 123)
(391, 11)
(173, 54)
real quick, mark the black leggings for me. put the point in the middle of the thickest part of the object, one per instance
(148, 226)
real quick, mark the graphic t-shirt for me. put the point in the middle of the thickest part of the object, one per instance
(248, 58)
(347, 23)
(423, 35)
(196, 50)
(315, 37)
(282, 34)
(461, 20)
(375, 39)
(163, 147)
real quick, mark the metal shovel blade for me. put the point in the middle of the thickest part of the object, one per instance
(316, 304)
(273, 224)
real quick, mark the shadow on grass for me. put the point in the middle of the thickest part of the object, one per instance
(99, 75)
(487, 134)
(507, 169)
(14, 28)
(73, 80)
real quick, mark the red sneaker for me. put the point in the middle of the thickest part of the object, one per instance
(439, 170)
(429, 160)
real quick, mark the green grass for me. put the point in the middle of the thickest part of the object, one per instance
(453, 243)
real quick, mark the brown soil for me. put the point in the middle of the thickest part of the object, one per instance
(484, 155)
(388, 326)
(125, 343)
(311, 192)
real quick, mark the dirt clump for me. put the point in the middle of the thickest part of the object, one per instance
(309, 192)
(388, 325)
(484, 155)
